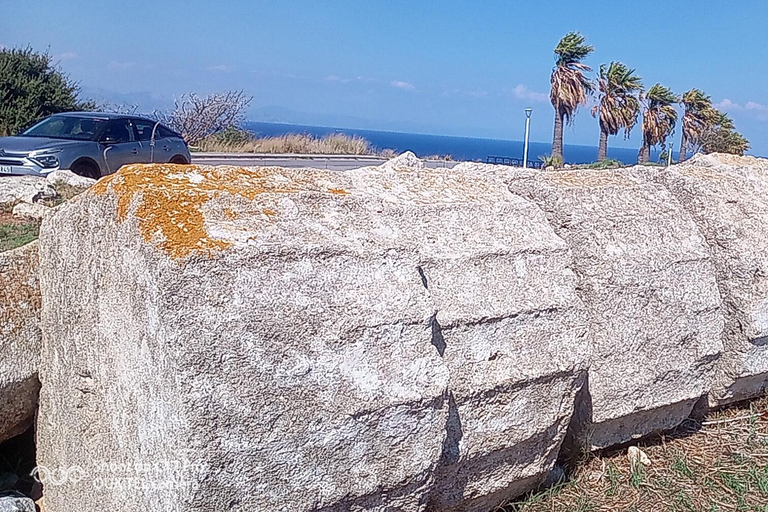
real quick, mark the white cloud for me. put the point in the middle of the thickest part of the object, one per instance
(121, 66)
(406, 86)
(221, 68)
(727, 104)
(751, 108)
(524, 93)
(66, 56)
(343, 80)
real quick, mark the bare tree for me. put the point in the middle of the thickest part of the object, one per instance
(196, 118)
(118, 108)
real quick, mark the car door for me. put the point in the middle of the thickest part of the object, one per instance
(120, 144)
(166, 145)
(144, 129)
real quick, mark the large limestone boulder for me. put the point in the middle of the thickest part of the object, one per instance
(19, 339)
(386, 339)
(727, 196)
(647, 279)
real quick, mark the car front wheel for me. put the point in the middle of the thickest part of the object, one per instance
(86, 169)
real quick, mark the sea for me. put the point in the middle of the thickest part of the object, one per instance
(459, 148)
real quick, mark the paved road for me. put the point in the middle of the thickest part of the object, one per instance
(331, 162)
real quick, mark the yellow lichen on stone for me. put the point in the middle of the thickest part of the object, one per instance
(170, 199)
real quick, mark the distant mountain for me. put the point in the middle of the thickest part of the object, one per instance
(144, 101)
(283, 115)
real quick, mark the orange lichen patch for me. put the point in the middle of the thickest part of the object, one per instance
(268, 212)
(338, 191)
(231, 214)
(170, 198)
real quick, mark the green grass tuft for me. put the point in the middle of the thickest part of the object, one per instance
(16, 235)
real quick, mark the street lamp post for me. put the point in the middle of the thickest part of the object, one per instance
(528, 112)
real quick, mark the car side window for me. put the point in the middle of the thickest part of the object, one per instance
(164, 133)
(118, 131)
(144, 129)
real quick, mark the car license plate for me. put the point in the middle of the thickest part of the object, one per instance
(6, 169)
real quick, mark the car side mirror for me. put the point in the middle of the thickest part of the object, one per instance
(110, 140)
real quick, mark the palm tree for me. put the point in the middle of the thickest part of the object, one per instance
(618, 104)
(570, 87)
(719, 135)
(659, 119)
(698, 115)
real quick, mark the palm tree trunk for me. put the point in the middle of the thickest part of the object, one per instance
(645, 154)
(557, 140)
(602, 150)
(683, 144)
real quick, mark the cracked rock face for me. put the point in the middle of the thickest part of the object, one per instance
(647, 279)
(388, 338)
(726, 196)
(19, 339)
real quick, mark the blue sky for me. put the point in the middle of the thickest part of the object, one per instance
(449, 67)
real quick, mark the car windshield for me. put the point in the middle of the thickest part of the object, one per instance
(67, 127)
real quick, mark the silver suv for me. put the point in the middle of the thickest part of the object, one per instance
(90, 144)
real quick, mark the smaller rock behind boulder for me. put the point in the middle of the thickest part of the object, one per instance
(69, 178)
(27, 189)
(16, 502)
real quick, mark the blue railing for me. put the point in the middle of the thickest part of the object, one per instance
(514, 162)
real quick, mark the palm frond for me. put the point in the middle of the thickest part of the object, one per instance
(659, 116)
(618, 98)
(570, 85)
(572, 49)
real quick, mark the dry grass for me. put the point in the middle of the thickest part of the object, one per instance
(718, 465)
(303, 143)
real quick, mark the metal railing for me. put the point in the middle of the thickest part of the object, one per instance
(514, 162)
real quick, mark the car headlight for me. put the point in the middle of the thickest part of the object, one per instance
(47, 161)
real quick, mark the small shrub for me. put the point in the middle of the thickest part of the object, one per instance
(551, 161)
(608, 163)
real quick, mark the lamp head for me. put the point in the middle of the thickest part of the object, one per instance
(528, 112)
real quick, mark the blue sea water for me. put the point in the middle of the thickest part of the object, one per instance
(460, 148)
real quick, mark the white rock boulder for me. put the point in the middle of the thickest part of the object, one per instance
(69, 178)
(648, 281)
(727, 197)
(27, 189)
(383, 339)
(34, 211)
(19, 339)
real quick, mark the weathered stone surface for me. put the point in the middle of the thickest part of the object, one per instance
(19, 339)
(726, 196)
(648, 281)
(382, 339)
(31, 211)
(15, 502)
(69, 178)
(27, 189)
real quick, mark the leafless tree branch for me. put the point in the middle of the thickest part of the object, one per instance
(196, 118)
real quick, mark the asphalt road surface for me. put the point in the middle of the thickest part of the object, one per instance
(331, 162)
